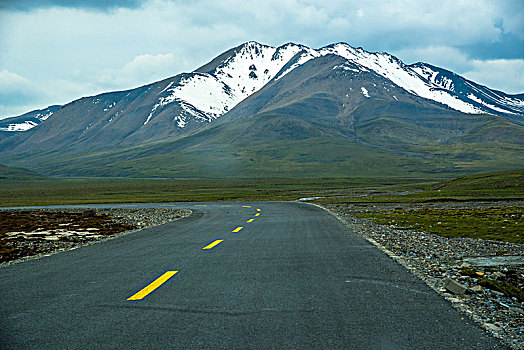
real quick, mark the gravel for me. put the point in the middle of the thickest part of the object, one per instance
(145, 217)
(437, 260)
(57, 230)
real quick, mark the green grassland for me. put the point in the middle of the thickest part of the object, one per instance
(37, 190)
(494, 223)
(499, 223)
(17, 174)
(504, 223)
(114, 190)
(484, 186)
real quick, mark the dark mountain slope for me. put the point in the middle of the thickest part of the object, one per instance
(277, 145)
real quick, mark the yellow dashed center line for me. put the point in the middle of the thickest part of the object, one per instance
(215, 243)
(153, 285)
(168, 274)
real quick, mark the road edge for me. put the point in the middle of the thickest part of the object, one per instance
(460, 307)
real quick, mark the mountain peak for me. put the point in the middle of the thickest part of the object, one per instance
(217, 87)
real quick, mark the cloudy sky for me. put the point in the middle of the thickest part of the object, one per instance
(55, 51)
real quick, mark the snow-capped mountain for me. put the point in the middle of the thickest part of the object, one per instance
(28, 120)
(209, 92)
(214, 89)
(289, 107)
(483, 99)
(253, 65)
(184, 103)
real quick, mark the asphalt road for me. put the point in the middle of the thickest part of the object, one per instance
(293, 278)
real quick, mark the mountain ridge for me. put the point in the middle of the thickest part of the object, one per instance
(235, 110)
(512, 104)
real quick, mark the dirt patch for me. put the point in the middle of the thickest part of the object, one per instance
(28, 233)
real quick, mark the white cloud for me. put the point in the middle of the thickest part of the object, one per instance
(139, 71)
(17, 94)
(15, 89)
(11, 81)
(443, 56)
(74, 52)
(506, 75)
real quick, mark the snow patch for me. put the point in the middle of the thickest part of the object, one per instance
(167, 87)
(180, 120)
(20, 126)
(207, 96)
(45, 116)
(111, 105)
(391, 68)
(364, 91)
(490, 106)
(304, 57)
(347, 68)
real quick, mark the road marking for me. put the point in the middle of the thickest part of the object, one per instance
(250, 220)
(258, 209)
(215, 243)
(246, 206)
(257, 214)
(152, 286)
(238, 229)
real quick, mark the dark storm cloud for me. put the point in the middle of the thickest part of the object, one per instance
(28, 5)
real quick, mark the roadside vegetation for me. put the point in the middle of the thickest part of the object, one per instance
(500, 224)
(481, 187)
(437, 209)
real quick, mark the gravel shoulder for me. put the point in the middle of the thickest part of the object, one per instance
(31, 234)
(456, 268)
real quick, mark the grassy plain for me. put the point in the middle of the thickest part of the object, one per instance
(504, 223)
(49, 191)
(119, 190)
(498, 223)
(502, 185)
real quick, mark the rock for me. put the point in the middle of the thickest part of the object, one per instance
(476, 289)
(465, 265)
(517, 310)
(454, 287)
(492, 327)
(88, 213)
(497, 275)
